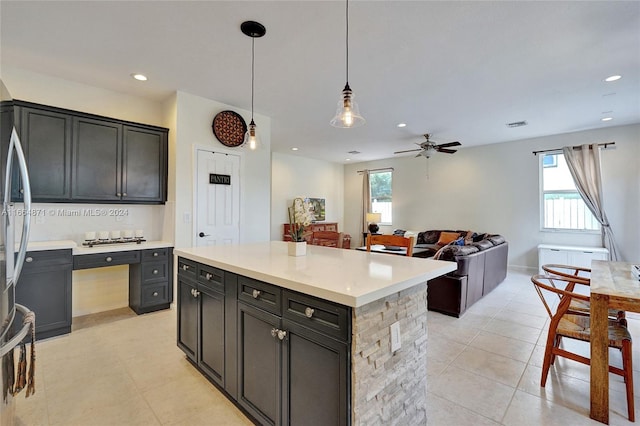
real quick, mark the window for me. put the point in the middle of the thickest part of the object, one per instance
(562, 207)
(380, 189)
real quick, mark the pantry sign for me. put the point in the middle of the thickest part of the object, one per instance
(216, 179)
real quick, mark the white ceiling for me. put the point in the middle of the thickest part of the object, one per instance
(458, 70)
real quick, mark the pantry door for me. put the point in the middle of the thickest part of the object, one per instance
(218, 199)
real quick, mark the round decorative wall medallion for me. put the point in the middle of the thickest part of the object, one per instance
(229, 128)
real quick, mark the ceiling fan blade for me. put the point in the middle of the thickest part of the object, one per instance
(444, 145)
(445, 150)
(408, 150)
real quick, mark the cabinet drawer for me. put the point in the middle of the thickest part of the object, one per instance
(106, 259)
(211, 277)
(187, 268)
(155, 271)
(260, 294)
(154, 254)
(326, 317)
(155, 294)
(46, 258)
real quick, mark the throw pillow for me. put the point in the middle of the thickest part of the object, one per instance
(447, 237)
(468, 239)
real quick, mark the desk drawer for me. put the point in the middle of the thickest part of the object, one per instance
(260, 294)
(99, 260)
(326, 317)
(154, 254)
(154, 271)
(46, 258)
(155, 294)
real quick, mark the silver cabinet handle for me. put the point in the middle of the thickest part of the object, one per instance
(108, 259)
(155, 254)
(118, 194)
(194, 292)
(124, 194)
(256, 293)
(155, 272)
(185, 267)
(22, 191)
(280, 334)
(208, 276)
(29, 259)
(155, 293)
(309, 312)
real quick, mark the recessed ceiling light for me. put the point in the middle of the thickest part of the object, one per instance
(294, 149)
(347, 159)
(139, 77)
(613, 78)
(402, 124)
(606, 118)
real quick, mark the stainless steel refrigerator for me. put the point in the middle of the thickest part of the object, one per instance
(12, 249)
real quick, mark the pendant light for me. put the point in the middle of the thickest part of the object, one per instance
(348, 113)
(252, 29)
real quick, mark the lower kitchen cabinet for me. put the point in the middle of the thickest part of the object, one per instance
(259, 364)
(282, 356)
(201, 314)
(44, 287)
(315, 378)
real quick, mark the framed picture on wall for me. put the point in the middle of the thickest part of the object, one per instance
(317, 208)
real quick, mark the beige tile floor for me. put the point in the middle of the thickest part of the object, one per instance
(117, 368)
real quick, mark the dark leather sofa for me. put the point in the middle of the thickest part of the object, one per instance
(482, 265)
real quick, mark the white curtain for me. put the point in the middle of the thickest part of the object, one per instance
(584, 165)
(366, 204)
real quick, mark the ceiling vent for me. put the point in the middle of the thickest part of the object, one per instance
(517, 124)
(354, 152)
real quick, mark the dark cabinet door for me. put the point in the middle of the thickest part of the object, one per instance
(211, 349)
(315, 378)
(188, 306)
(46, 136)
(44, 287)
(259, 364)
(144, 172)
(97, 165)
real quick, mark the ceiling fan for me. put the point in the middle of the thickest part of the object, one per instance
(428, 147)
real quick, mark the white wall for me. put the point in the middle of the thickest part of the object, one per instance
(295, 176)
(193, 129)
(495, 188)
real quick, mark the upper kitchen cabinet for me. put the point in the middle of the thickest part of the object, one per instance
(144, 164)
(46, 136)
(84, 158)
(97, 160)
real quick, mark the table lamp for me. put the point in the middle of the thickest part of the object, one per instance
(373, 219)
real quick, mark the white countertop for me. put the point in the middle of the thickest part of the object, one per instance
(109, 248)
(106, 248)
(50, 245)
(349, 277)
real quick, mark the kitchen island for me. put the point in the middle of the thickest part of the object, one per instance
(307, 340)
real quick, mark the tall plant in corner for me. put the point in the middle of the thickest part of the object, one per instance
(299, 218)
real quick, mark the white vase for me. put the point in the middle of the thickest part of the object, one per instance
(297, 248)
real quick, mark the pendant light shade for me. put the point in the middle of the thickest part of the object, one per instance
(251, 139)
(348, 113)
(252, 29)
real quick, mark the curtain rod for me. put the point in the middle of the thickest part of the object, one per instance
(374, 170)
(605, 145)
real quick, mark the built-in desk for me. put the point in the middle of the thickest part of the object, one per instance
(45, 285)
(150, 270)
